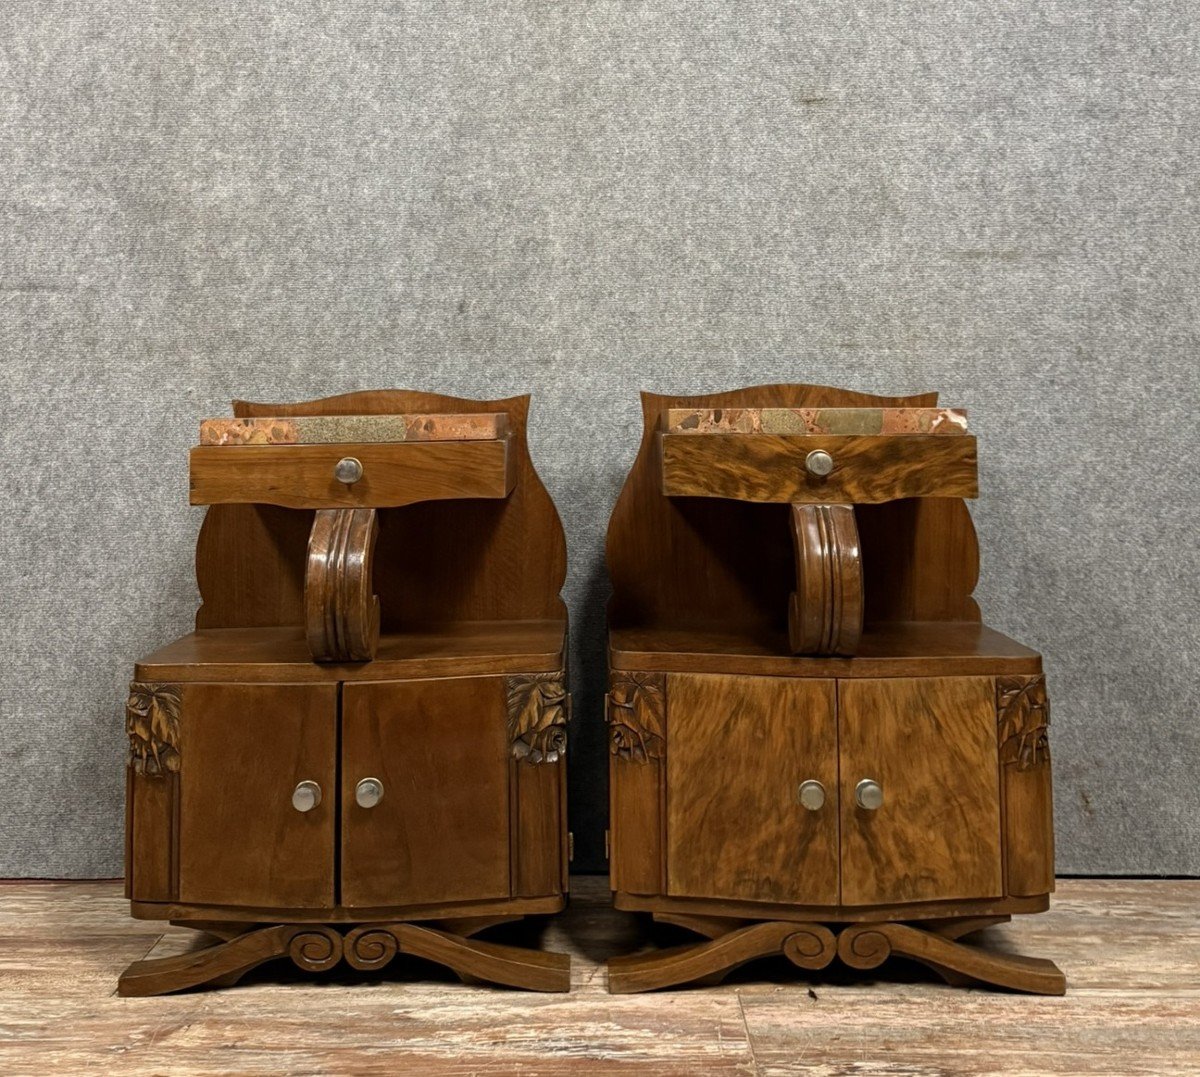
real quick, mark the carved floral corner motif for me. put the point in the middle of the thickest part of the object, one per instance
(538, 711)
(1023, 717)
(637, 715)
(152, 722)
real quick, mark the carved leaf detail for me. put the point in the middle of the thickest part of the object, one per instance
(152, 722)
(538, 711)
(637, 714)
(1023, 716)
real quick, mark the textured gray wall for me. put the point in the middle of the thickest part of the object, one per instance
(204, 200)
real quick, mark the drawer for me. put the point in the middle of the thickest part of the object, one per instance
(393, 474)
(772, 467)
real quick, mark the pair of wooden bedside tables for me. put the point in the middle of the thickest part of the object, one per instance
(817, 749)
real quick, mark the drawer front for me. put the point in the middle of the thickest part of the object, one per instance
(865, 470)
(304, 476)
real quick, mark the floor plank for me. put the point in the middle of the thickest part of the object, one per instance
(1130, 949)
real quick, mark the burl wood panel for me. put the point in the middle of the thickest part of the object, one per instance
(441, 831)
(664, 553)
(460, 560)
(302, 476)
(244, 748)
(770, 467)
(737, 751)
(930, 742)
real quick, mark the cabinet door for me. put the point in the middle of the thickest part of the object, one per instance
(441, 830)
(737, 750)
(930, 744)
(243, 749)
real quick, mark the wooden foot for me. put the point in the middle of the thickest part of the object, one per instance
(813, 946)
(809, 946)
(317, 947)
(867, 946)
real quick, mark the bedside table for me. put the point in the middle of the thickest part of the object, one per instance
(817, 748)
(360, 751)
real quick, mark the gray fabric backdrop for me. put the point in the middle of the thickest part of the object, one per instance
(202, 200)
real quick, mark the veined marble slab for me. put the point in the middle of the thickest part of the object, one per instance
(816, 421)
(326, 429)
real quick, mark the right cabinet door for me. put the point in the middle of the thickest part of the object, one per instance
(931, 831)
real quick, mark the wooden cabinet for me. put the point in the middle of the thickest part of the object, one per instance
(360, 753)
(738, 750)
(817, 749)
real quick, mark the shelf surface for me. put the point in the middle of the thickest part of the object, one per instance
(280, 655)
(895, 649)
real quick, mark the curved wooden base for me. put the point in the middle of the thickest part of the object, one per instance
(318, 947)
(814, 946)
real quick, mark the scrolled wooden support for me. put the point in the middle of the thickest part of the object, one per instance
(341, 610)
(867, 946)
(369, 947)
(826, 610)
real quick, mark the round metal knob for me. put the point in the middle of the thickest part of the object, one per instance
(368, 792)
(306, 796)
(349, 470)
(868, 795)
(812, 795)
(818, 463)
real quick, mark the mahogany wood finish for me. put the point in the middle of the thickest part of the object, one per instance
(341, 609)
(771, 467)
(404, 631)
(825, 611)
(859, 770)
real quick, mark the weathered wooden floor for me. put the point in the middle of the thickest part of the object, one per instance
(1130, 949)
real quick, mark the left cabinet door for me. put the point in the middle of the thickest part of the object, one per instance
(243, 750)
(425, 792)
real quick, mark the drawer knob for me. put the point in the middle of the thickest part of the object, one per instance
(812, 795)
(306, 796)
(869, 795)
(818, 463)
(349, 470)
(368, 792)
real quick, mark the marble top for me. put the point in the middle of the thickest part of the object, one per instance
(816, 421)
(326, 429)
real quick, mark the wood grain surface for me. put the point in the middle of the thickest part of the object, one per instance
(441, 831)
(737, 751)
(243, 749)
(680, 561)
(302, 476)
(770, 467)
(931, 744)
(470, 559)
(1130, 950)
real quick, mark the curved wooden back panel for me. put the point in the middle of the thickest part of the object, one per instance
(692, 562)
(434, 561)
